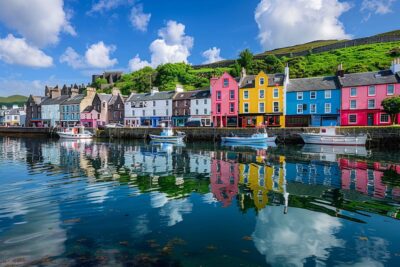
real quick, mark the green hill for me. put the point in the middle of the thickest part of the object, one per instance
(13, 99)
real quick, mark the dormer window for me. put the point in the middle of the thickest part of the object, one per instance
(262, 81)
(226, 82)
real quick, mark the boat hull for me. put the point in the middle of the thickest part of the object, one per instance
(342, 140)
(248, 140)
(166, 139)
(74, 136)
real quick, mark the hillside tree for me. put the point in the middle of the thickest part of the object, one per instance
(391, 106)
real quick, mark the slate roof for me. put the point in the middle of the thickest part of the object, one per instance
(55, 101)
(313, 84)
(185, 95)
(104, 97)
(273, 80)
(14, 112)
(88, 109)
(202, 94)
(369, 78)
(74, 100)
(156, 96)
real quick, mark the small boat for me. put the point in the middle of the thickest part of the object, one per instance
(77, 132)
(256, 138)
(167, 136)
(328, 136)
(256, 146)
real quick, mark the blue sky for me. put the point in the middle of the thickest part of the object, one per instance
(65, 41)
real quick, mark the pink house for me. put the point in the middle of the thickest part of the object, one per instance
(224, 101)
(362, 95)
(89, 117)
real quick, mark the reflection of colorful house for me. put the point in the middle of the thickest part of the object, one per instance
(261, 100)
(224, 180)
(224, 101)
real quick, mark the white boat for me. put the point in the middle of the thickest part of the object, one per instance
(77, 132)
(167, 136)
(256, 138)
(328, 136)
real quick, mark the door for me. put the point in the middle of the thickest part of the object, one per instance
(370, 119)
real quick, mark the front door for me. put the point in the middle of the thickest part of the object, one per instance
(370, 119)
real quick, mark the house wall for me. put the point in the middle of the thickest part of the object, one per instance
(51, 113)
(200, 109)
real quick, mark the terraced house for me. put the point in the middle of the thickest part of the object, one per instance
(262, 100)
(363, 93)
(72, 107)
(181, 107)
(200, 107)
(313, 102)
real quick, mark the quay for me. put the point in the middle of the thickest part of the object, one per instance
(379, 136)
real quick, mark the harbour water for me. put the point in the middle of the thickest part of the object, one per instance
(120, 203)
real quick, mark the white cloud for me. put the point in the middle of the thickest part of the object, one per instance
(212, 55)
(282, 239)
(136, 63)
(39, 21)
(96, 56)
(139, 19)
(173, 46)
(380, 7)
(175, 209)
(290, 22)
(105, 5)
(17, 51)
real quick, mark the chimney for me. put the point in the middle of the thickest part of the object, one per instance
(395, 65)
(90, 92)
(179, 88)
(54, 93)
(340, 71)
(243, 73)
(154, 90)
(287, 73)
(115, 91)
(74, 92)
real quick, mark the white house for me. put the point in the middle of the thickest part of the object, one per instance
(200, 107)
(149, 109)
(51, 110)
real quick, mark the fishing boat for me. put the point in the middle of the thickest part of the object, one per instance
(328, 136)
(77, 132)
(167, 136)
(256, 138)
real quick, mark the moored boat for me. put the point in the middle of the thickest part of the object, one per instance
(167, 136)
(328, 136)
(256, 138)
(77, 132)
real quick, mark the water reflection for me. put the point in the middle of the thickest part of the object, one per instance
(297, 205)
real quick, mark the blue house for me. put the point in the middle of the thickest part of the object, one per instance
(313, 102)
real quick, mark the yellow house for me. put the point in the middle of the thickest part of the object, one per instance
(261, 100)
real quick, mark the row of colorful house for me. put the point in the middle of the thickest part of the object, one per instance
(272, 100)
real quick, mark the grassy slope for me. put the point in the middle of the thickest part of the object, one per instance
(301, 47)
(14, 99)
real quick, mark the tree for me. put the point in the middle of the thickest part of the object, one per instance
(391, 106)
(274, 64)
(246, 59)
(139, 81)
(99, 81)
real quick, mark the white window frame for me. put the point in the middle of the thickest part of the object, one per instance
(350, 104)
(220, 95)
(244, 94)
(262, 81)
(326, 107)
(231, 104)
(328, 96)
(349, 118)
(277, 93)
(259, 107)
(315, 96)
(387, 89)
(351, 90)
(230, 94)
(299, 112)
(368, 103)
(372, 86)
(216, 108)
(273, 106)
(299, 96)
(315, 108)
(259, 94)
(244, 107)
(380, 118)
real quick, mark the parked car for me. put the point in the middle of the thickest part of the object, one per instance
(114, 125)
(193, 124)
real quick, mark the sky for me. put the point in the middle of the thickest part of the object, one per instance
(50, 42)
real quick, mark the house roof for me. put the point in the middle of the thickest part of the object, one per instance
(369, 78)
(185, 95)
(276, 79)
(88, 109)
(313, 84)
(74, 100)
(14, 112)
(55, 101)
(104, 97)
(202, 94)
(148, 96)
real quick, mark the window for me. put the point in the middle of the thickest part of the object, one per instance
(218, 108)
(353, 92)
(313, 95)
(154, 103)
(205, 101)
(262, 81)
(261, 108)
(218, 95)
(299, 95)
(352, 118)
(133, 113)
(231, 107)
(299, 108)
(226, 82)
(205, 111)
(104, 104)
(384, 118)
(328, 94)
(197, 111)
(231, 94)
(371, 103)
(275, 106)
(245, 94)
(390, 89)
(143, 113)
(313, 108)
(167, 112)
(197, 101)
(353, 104)
(328, 107)
(276, 93)
(262, 94)
(371, 90)
(166, 103)
(154, 112)
(246, 107)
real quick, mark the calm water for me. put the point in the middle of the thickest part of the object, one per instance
(69, 203)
